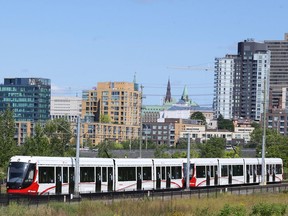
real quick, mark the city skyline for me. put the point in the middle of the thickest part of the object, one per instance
(78, 44)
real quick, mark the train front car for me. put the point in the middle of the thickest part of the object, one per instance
(21, 176)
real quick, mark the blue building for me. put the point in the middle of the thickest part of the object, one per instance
(29, 98)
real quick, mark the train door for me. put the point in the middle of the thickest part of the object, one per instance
(248, 173)
(254, 174)
(273, 172)
(208, 175)
(139, 178)
(98, 180)
(215, 175)
(163, 174)
(58, 180)
(168, 177)
(230, 174)
(71, 180)
(268, 169)
(104, 178)
(110, 179)
(158, 178)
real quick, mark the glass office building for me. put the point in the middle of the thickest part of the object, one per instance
(29, 98)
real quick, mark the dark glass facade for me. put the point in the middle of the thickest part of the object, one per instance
(29, 98)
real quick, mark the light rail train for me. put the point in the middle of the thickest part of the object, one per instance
(56, 175)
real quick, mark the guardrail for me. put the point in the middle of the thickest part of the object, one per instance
(6, 199)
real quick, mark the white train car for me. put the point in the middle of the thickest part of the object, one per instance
(133, 174)
(168, 173)
(56, 175)
(206, 172)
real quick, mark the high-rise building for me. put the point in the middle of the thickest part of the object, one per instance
(112, 111)
(253, 75)
(65, 107)
(29, 98)
(119, 101)
(224, 86)
(278, 68)
(249, 81)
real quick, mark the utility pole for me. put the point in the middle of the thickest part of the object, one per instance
(77, 165)
(188, 164)
(263, 181)
(141, 128)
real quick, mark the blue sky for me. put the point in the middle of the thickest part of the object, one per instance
(77, 43)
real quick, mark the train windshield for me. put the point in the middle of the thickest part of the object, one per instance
(16, 172)
(185, 169)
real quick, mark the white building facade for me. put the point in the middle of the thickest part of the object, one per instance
(223, 81)
(65, 107)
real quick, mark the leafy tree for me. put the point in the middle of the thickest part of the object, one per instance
(225, 123)
(104, 149)
(182, 143)
(38, 144)
(52, 139)
(105, 119)
(198, 116)
(160, 151)
(59, 134)
(235, 153)
(214, 147)
(133, 143)
(8, 145)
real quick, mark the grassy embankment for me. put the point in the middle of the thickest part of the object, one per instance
(225, 204)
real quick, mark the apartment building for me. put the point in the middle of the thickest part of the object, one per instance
(120, 103)
(278, 68)
(249, 81)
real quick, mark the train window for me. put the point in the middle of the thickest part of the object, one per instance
(224, 171)
(212, 171)
(278, 169)
(147, 174)
(176, 172)
(87, 174)
(200, 171)
(104, 174)
(46, 174)
(259, 169)
(237, 170)
(126, 173)
(65, 174)
(163, 173)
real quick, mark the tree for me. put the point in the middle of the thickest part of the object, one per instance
(105, 119)
(8, 145)
(51, 139)
(199, 116)
(104, 149)
(37, 145)
(225, 123)
(59, 134)
(235, 153)
(275, 144)
(214, 147)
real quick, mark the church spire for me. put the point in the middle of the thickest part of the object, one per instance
(185, 96)
(168, 97)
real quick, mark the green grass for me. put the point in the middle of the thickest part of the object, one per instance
(223, 205)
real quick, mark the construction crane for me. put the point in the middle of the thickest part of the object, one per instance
(191, 68)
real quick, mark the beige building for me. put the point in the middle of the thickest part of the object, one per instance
(112, 111)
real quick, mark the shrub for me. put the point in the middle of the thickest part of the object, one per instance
(266, 209)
